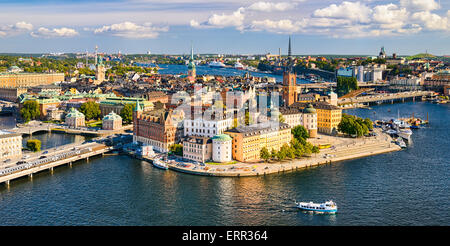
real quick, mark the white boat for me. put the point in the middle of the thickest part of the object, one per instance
(328, 207)
(405, 133)
(216, 64)
(159, 164)
(238, 66)
(400, 143)
(391, 131)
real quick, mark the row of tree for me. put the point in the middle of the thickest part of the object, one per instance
(353, 125)
(346, 85)
(296, 149)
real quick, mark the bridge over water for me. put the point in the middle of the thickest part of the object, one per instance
(384, 97)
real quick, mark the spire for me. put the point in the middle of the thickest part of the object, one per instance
(192, 52)
(289, 49)
(137, 107)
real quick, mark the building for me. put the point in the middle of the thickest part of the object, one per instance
(289, 81)
(328, 116)
(222, 149)
(112, 121)
(10, 145)
(249, 140)
(116, 104)
(100, 71)
(382, 54)
(27, 80)
(197, 149)
(74, 118)
(306, 117)
(204, 127)
(54, 89)
(11, 94)
(154, 128)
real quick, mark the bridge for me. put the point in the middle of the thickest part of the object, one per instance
(61, 156)
(379, 98)
(48, 127)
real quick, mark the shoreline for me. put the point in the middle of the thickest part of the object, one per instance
(358, 148)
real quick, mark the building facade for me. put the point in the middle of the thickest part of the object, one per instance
(222, 150)
(74, 118)
(10, 145)
(206, 127)
(112, 121)
(197, 149)
(154, 128)
(26, 80)
(249, 140)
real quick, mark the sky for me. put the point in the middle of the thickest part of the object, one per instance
(405, 27)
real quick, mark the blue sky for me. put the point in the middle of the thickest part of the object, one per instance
(226, 26)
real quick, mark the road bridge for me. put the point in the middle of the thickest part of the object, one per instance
(61, 157)
(381, 97)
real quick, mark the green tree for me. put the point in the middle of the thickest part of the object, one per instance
(315, 150)
(127, 113)
(300, 132)
(34, 145)
(91, 110)
(273, 154)
(30, 110)
(264, 154)
(176, 149)
(346, 85)
(352, 125)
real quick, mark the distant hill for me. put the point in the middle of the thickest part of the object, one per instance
(420, 56)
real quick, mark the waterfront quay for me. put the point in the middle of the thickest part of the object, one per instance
(49, 159)
(342, 149)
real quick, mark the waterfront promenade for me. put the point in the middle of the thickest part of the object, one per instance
(343, 149)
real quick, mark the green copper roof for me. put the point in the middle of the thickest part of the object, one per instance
(309, 109)
(112, 116)
(222, 137)
(74, 113)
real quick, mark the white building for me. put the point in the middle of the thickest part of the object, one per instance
(206, 127)
(411, 81)
(221, 151)
(10, 145)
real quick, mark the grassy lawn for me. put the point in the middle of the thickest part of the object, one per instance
(94, 124)
(218, 163)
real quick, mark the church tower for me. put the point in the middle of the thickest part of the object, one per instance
(289, 80)
(100, 71)
(191, 67)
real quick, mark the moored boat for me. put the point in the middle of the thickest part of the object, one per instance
(159, 164)
(328, 207)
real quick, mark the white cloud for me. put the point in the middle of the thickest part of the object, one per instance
(390, 16)
(432, 21)
(131, 30)
(347, 10)
(269, 7)
(281, 26)
(43, 32)
(419, 5)
(236, 19)
(19, 27)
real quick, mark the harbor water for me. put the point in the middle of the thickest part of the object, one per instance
(408, 187)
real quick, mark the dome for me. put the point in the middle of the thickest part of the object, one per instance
(309, 110)
(222, 138)
(74, 113)
(112, 116)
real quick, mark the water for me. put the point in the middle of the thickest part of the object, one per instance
(52, 140)
(206, 70)
(409, 187)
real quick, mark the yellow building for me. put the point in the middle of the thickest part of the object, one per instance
(25, 80)
(249, 140)
(328, 116)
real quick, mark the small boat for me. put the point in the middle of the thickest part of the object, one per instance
(216, 64)
(405, 133)
(328, 207)
(159, 164)
(400, 142)
(391, 132)
(238, 66)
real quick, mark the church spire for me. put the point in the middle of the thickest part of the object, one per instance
(192, 52)
(289, 49)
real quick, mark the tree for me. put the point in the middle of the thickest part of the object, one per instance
(300, 132)
(281, 118)
(176, 149)
(273, 153)
(264, 154)
(346, 85)
(127, 113)
(315, 150)
(30, 110)
(34, 145)
(353, 125)
(91, 110)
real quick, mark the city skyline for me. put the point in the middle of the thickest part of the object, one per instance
(405, 27)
